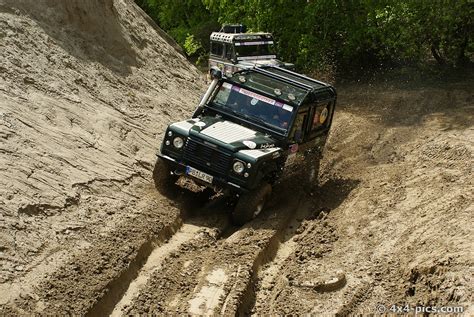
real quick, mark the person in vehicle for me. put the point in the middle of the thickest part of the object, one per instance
(281, 118)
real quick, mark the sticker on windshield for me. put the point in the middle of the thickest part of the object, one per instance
(256, 96)
(253, 102)
(288, 108)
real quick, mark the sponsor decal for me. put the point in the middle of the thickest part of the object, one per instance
(323, 116)
(267, 146)
(256, 96)
(288, 108)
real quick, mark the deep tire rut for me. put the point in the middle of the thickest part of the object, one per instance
(117, 287)
(154, 263)
(208, 266)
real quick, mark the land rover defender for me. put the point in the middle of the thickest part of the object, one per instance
(246, 130)
(233, 49)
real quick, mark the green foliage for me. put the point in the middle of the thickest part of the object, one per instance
(187, 21)
(191, 46)
(342, 34)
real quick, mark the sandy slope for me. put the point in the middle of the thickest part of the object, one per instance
(86, 88)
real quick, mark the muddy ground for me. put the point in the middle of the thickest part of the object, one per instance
(86, 90)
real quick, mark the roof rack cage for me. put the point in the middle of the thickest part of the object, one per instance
(233, 28)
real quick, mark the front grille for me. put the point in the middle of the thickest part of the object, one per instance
(207, 157)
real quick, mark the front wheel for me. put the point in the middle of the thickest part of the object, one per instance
(251, 204)
(164, 179)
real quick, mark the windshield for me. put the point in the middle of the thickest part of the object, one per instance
(254, 49)
(252, 106)
(271, 86)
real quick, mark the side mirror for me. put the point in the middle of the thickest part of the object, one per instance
(215, 72)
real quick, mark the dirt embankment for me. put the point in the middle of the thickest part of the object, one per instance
(86, 89)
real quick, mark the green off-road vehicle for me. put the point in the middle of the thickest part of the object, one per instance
(246, 131)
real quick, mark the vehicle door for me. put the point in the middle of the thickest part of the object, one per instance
(318, 124)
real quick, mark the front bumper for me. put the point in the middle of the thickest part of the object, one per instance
(179, 168)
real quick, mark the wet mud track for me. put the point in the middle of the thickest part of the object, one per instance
(206, 265)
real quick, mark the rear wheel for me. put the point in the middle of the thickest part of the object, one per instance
(164, 179)
(251, 204)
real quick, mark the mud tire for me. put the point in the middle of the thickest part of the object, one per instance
(251, 204)
(164, 179)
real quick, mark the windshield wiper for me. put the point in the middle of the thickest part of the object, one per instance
(264, 123)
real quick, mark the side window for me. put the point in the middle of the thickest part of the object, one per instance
(228, 51)
(217, 48)
(298, 131)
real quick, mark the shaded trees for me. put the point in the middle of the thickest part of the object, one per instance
(317, 33)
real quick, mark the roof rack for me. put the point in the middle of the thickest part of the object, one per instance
(296, 75)
(282, 78)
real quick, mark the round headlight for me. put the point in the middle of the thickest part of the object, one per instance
(238, 167)
(323, 116)
(178, 142)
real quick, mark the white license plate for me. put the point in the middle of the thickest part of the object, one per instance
(198, 174)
